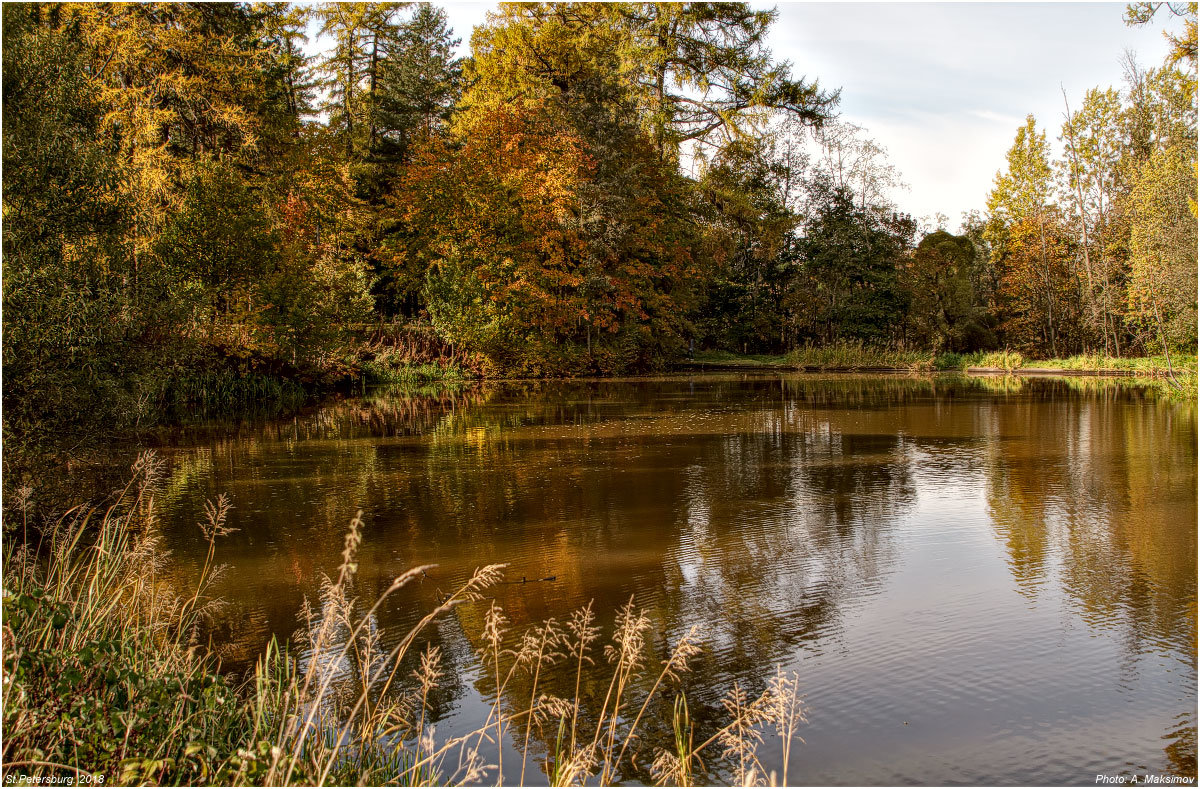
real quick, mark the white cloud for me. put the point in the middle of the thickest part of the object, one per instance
(1009, 121)
(944, 86)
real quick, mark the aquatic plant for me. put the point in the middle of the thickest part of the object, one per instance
(390, 370)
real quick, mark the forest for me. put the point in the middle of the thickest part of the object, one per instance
(215, 213)
(196, 209)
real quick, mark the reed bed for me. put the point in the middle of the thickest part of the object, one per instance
(220, 391)
(105, 674)
(387, 368)
(853, 355)
(1001, 360)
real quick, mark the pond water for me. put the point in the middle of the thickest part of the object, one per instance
(976, 581)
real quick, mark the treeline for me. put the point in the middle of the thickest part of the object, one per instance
(596, 189)
(185, 190)
(1095, 250)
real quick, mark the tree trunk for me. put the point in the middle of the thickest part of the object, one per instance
(1087, 260)
(348, 98)
(371, 95)
(1048, 286)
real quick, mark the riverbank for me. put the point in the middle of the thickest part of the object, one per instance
(1179, 369)
(414, 356)
(65, 425)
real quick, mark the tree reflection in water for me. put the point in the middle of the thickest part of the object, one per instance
(783, 514)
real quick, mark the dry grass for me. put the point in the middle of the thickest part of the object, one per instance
(145, 703)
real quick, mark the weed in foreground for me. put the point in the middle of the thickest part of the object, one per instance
(104, 673)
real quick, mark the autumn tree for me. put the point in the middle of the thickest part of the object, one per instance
(1091, 169)
(552, 236)
(1162, 280)
(1156, 209)
(1183, 45)
(1023, 232)
(150, 152)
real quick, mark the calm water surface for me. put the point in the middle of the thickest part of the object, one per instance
(977, 581)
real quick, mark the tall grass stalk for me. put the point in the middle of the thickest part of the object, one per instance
(105, 672)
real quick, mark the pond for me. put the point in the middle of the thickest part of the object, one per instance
(976, 580)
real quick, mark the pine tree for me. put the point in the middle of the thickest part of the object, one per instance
(420, 84)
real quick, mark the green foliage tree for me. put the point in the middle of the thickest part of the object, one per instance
(755, 267)
(420, 84)
(943, 314)
(363, 34)
(985, 277)
(850, 259)
(68, 321)
(703, 68)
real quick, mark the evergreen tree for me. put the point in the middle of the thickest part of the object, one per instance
(421, 83)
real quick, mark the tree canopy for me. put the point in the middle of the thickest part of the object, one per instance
(594, 188)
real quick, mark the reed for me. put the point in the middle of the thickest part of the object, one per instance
(1002, 360)
(855, 355)
(221, 391)
(389, 368)
(105, 673)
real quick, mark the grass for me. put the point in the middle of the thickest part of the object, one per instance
(852, 355)
(1001, 360)
(1142, 365)
(396, 366)
(847, 355)
(1177, 380)
(857, 355)
(729, 358)
(105, 674)
(1013, 360)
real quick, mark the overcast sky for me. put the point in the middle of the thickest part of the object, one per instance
(944, 86)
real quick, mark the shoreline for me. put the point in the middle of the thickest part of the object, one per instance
(756, 366)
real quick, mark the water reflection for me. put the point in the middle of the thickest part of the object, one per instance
(1001, 564)
(1089, 500)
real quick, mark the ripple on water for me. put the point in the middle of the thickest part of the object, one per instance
(974, 587)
